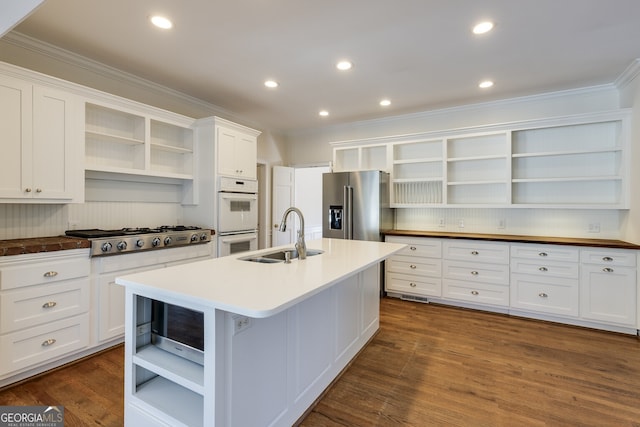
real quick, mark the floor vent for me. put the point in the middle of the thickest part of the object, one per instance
(414, 298)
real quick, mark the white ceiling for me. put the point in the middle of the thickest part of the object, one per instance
(421, 54)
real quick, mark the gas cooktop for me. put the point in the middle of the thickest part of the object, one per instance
(125, 240)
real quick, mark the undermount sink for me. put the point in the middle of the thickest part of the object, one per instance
(279, 256)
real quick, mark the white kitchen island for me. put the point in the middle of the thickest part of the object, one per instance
(276, 335)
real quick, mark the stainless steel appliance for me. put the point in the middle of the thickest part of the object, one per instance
(355, 205)
(125, 240)
(178, 330)
(237, 215)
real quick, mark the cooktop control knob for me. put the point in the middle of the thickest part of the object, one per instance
(106, 247)
(140, 243)
(194, 238)
(155, 242)
(167, 241)
(121, 246)
(203, 236)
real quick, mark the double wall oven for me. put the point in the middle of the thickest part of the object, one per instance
(237, 216)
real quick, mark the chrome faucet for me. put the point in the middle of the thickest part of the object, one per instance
(301, 246)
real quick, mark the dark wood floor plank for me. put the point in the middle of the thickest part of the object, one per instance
(428, 366)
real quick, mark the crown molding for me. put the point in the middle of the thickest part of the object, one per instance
(75, 60)
(628, 75)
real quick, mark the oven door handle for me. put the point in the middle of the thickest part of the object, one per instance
(239, 196)
(238, 238)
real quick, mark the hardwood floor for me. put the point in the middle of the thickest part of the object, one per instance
(428, 365)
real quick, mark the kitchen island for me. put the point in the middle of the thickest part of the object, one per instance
(275, 334)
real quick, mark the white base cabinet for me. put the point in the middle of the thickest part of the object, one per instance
(44, 309)
(266, 374)
(584, 286)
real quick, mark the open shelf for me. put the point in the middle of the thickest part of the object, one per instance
(186, 406)
(177, 369)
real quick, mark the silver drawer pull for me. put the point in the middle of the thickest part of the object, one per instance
(607, 270)
(542, 295)
(474, 252)
(607, 259)
(413, 248)
(50, 274)
(49, 304)
(413, 285)
(475, 293)
(543, 269)
(475, 273)
(48, 342)
(413, 267)
(543, 254)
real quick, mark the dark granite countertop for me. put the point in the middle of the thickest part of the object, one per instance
(598, 243)
(41, 244)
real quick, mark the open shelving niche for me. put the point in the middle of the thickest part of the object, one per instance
(162, 380)
(127, 145)
(565, 162)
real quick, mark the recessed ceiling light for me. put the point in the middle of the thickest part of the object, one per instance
(483, 27)
(344, 65)
(323, 113)
(271, 84)
(161, 22)
(485, 84)
(385, 103)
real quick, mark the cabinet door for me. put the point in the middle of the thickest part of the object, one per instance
(55, 146)
(246, 156)
(111, 308)
(16, 131)
(608, 294)
(237, 153)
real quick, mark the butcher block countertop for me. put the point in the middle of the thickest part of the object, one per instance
(575, 241)
(41, 244)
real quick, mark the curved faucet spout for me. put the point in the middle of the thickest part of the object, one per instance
(301, 246)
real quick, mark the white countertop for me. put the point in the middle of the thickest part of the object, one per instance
(256, 289)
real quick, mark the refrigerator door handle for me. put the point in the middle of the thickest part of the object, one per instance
(348, 204)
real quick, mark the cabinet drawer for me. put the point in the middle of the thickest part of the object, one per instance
(35, 305)
(546, 252)
(471, 250)
(427, 286)
(479, 293)
(36, 273)
(557, 296)
(413, 265)
(545, 268)
(43, 343)
(421, 247)
(476, 272)
(608, 257)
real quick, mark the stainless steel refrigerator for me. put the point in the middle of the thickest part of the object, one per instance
(355, 205)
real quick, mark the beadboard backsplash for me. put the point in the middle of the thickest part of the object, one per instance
(593, 224)
(25, 220)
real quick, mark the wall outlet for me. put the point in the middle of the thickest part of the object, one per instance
(594, 227)
(502, 223)
(441, 223)
(461, 223)
(240, 323)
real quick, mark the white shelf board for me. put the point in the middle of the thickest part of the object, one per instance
(177, 369)
(101, 136)
(568, 179)
(418, 160)
(412, 180)
(170, 148)
(138, 172)
(491, 182)
(566, 153)
(176, 402)
(472, 158)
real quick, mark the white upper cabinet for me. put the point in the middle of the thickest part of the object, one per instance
(236, 150)
(563, 162)
(42, 150)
